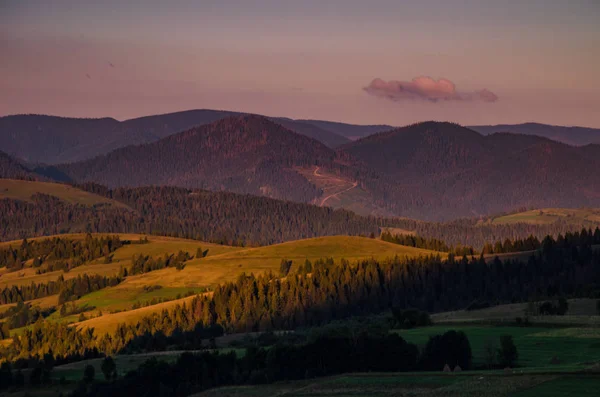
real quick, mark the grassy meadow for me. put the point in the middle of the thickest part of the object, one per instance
(555, 348)
(551, 215)
(113, 305)
(431, 385)
(23, 190)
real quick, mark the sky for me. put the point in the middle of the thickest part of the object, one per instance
(368, 62)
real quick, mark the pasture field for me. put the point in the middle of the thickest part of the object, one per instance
(109, 322)
(555, 348)
(23, 190)
(581, 311)
(217, 269)
(157, 246)
(551, 215)
(222, 264)
(389, 384)
(571, 386)
(220, 268)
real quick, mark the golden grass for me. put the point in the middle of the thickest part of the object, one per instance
(109, 322)
(218, 269)
(23, 190)
(551, 215)
(222, 264)
(221, 268)
(157, 246)
(578, 308)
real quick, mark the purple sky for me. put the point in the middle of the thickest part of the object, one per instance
(381, 61)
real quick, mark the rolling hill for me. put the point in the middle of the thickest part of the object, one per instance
(26, 190)
(220, 268)
(576, 136)
(546, 216)
(222, 264)
(38, 209)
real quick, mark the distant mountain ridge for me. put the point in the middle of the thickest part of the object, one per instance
(430, 170)
(52, 140)
(576, 136)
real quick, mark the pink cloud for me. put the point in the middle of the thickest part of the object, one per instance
(426, 88)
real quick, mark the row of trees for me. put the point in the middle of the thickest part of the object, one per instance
(145, 263)
(48, 250)
(434, 244)
(67, 290)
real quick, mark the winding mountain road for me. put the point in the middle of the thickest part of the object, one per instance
(324, 200)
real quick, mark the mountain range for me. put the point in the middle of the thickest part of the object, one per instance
(430, 170)
(576, 136)
(51, 139)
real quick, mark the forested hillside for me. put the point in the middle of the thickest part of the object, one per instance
(438, 171)
(244, 154)
(431, 171)
(210, 216)
(12, 169)
(232, 218)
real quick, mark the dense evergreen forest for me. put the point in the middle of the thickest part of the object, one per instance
(432, 170)
(67, 290)
(243, 154)
(11, 168)
(73, 252)
(440, 171)
(229, 218)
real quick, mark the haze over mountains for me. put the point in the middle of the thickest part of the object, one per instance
(430, 170)
(577, 136)
(52, 140)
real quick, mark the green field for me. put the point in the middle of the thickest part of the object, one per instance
(393, 384)
(537, 346)
(572, 386)
(551, 215)
(23, 190)
(581, 311)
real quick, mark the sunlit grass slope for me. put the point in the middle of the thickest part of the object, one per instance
(157, 246)
(220, 268)
(23, 190)
(551, 215)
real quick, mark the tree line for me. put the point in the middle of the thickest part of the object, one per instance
(67, 290)
(46, 251)
(145, 263)
(434, 244)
